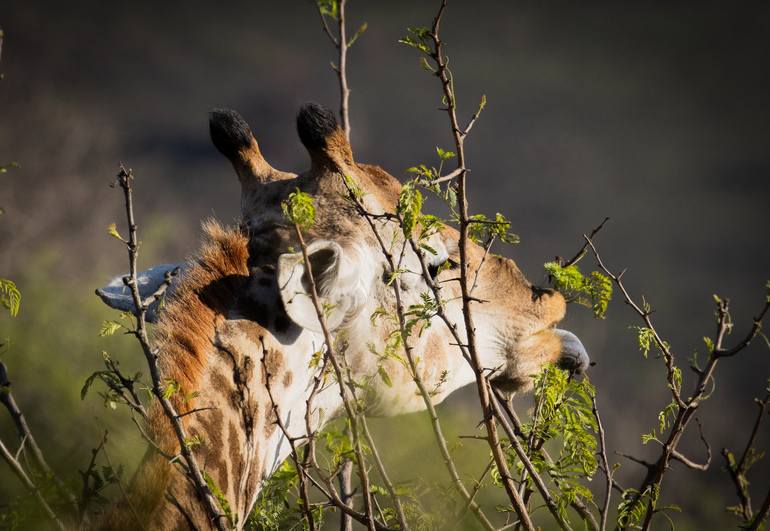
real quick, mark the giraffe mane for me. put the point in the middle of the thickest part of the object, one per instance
(204, 295)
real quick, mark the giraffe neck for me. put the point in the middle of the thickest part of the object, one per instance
(252, 381)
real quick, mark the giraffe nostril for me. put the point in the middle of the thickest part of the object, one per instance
(539, 291)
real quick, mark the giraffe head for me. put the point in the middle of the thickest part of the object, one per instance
(244, 300)
(516, 322)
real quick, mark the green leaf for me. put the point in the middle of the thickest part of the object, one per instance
(646, 339)
(593, 291)
(112, 230)
(109, 328)
(360, 31)
(87, 385)
(329, 8)
(170, 388)
(482, 103)
(10, 296)
(384, 376)
(445, 155)
(409, 207)
(299, 209)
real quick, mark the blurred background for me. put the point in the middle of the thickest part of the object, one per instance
(654, 114)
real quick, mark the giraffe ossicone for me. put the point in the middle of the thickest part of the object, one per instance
(239, 316)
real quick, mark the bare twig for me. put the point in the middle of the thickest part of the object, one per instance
(422, 389)
(350, 409)
(131, 507)
(384, 475)
(684, 410)
(583, 250)
(168, 277)
(738, 470)
(19, 472)
(445, 77)
(761, 514)
(27, 439)
(340, 41)
(87, 492)
(608, 472)
(301, 473)
(342, 46)
(218, 518)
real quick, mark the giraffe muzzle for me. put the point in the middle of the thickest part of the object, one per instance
(574, 356)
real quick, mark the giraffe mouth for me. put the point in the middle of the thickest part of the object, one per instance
(574, 356)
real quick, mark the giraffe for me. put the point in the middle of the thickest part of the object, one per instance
(240, 314)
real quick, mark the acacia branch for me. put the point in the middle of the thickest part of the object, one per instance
(303, 491)
(445, 77)
(25, 480)
(584, 250)
(528, 466)
(346, 400)
(340, 41)
(518, 430)
(217, 517)
(738, 470)
(684, 409)
(608, 472)
(27, 438)
(413, 369)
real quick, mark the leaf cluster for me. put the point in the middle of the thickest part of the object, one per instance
(483, 230)
(299, 209)
(593, 291)
(10, 296)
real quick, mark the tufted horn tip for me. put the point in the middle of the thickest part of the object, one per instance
(230, 133)
(232, 136)
(321, 134)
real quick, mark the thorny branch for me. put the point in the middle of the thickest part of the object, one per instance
(738, 470)
(422, 389)
(193, 471)
(350, 409)
(26, 439)
(684, 408)
(341, 42)
(445, 76)
(605, 465)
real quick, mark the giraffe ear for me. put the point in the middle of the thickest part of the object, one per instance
(337, 280)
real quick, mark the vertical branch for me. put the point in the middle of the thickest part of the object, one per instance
(193, 471)
(447, 84)
(342, 70)
(18, 470)
(301, 472)
(413, 369)
(738, 471)
(346, 489)
(685, 409)
(350, 409)
(27, 438)
(605, 508)
(341, 43)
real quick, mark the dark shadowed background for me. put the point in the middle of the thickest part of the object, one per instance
(656, 115)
